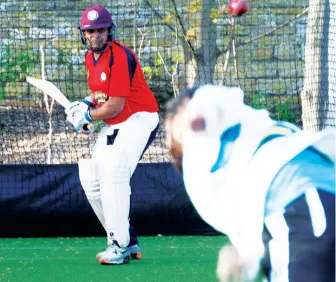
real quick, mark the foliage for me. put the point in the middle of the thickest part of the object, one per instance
(161, 95)
(98, 125)
(151, 71)
(259, 101)
(14, 66)
(158, 70)
(191, 33)
(280, 107)
(194, 6)
(168, 19)
(2, 91)
(214, 15)
(156, 67)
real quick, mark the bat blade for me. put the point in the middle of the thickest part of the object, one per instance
(50, 89)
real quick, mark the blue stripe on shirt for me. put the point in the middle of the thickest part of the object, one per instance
(308, 169)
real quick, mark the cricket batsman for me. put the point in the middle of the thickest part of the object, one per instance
(122, 99)
(266, 184)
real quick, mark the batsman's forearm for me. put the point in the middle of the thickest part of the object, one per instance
(104, 113)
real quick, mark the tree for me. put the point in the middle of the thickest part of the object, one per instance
(197, 34)
(319, 92)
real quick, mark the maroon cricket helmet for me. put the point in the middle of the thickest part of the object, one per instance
(95, 17)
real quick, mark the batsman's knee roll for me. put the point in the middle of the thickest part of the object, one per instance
(89, 178)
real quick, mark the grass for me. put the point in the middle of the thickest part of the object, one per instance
(165, 259)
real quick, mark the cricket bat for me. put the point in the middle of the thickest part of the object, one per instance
(51, 90)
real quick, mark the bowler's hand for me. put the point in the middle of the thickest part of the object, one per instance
(230, 267)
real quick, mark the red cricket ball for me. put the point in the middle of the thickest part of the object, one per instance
(237, 7)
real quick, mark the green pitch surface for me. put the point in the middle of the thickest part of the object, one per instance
(165, 259)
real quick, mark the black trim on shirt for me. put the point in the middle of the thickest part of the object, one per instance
(132, 63)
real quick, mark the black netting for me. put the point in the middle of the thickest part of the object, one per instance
(180, 44)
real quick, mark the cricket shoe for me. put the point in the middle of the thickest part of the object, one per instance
(134, 250)
(115, 255)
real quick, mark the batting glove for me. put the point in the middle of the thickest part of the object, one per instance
(78, 115)
(81, 106)
(83, 123)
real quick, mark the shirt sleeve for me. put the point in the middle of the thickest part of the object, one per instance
(120, 80)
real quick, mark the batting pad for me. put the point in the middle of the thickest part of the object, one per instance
(89, 178)
(115, 194)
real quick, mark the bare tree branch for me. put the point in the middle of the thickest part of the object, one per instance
(234, 50)
(143, 35)
(228, 51)
(173, 74)
(182, 26)
(234, 53)
(269, 32)
(276, 28)
(171, 27)
(226, 64)
(158, 15)
(49, 108)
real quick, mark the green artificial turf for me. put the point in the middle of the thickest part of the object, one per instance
(166, 259)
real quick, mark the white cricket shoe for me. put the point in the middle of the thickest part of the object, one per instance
(134, 250)
(115, 255)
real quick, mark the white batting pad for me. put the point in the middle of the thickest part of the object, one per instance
(89, 178)
(115, 175)
(117, 163)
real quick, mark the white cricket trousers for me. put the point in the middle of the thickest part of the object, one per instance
(117, 152)
(132, 135)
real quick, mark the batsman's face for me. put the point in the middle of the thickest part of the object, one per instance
(96, 38)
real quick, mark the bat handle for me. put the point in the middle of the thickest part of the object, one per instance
(88, 128)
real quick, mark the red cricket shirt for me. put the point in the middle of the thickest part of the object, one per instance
(118, 73)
